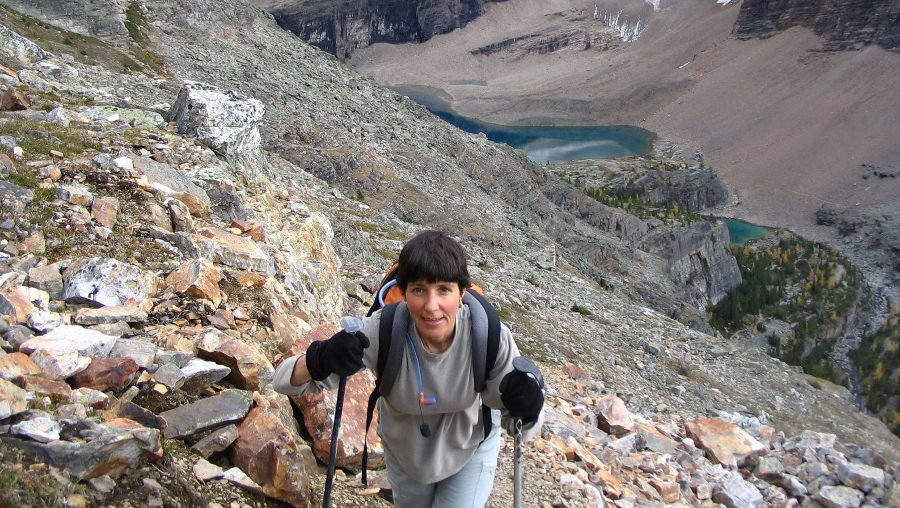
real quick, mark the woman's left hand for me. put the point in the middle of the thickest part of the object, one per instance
(522, 396)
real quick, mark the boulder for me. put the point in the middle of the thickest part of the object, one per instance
(216, 441)
(250, 369)
(169, 375)
(23, 49)
(40, 428)
(169, 183)
(17, 365)
(90, 398)
(59, 365)
(613, 417)
(232, 250)
(839, 497)
(42, 321)
(47, 278)
(104, 210)
(142, 351)
(14, 302)
(58, 391)
(13, 400)
(107, 282)
(225, 121)
(210, 413)
(75, 194)
(110, 453)
(127, 313)
(179, 216)
(272, 453)
(200, 374)
(71, 338)
(106, 374)
(860, 476)
(725, 443)
(197, 278)
(14, 197)
(734, 492)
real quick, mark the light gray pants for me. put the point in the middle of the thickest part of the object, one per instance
(470, 487)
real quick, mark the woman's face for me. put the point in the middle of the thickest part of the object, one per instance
(433, 307)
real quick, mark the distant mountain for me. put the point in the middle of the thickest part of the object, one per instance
(845, 24)
(341, 27)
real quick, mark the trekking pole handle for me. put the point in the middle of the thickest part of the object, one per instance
(527, 367)
(351, 324)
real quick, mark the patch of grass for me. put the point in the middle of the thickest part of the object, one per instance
(25, 483)
(38, 138)
(135, 23)
(409, 219)
(584, 311)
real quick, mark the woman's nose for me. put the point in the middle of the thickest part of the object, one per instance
(432, 302)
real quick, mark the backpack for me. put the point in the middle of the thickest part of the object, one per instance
(395, 323)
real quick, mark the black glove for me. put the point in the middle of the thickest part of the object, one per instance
(342, 354)
(522, 396)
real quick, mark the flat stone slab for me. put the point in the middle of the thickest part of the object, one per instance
(220, 410)
(71, 339)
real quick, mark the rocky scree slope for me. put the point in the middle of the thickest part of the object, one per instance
(265, 225)
(346, 129)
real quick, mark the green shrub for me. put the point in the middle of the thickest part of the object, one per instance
(584, 311)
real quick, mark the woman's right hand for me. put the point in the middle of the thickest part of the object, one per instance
(342, 354)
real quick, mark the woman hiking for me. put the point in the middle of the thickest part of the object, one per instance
(431, 423)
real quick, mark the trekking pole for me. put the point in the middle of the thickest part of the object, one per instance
(352, 325)
(517, 465)
(527, 367)
(335, 428)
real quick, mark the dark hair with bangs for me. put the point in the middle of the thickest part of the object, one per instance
(432, 256)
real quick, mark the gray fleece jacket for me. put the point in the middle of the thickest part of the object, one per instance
(455, 420)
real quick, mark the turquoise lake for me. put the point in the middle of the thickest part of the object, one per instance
(741, 232)
(546, 144)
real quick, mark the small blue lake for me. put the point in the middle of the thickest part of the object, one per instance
(545, 144)
(741, 232)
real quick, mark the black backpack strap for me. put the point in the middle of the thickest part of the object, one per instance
(479, 339)
(398, 321)
(370, 411)
(394, 320)
(485, 346)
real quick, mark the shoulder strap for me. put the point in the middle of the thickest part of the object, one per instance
(393, 325)
(394, 319)
(485, 346)
(485, 336)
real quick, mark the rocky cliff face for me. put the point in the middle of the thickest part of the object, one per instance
(695, 253)
(97, 18)
(845, 24)
(339, 29)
